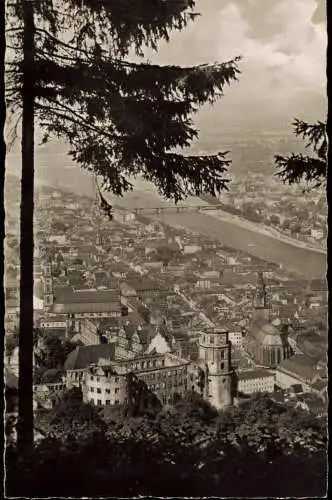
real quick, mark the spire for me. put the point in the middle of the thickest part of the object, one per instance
(262, 304)
(261, 298)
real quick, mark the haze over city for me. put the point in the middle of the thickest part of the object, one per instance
(166, 309)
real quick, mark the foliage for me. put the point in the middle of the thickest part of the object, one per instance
(72, 419)
(144, 312)
(11, 342)
(251, 212)
(239, 452)
(296, 167)
(166, 254)
(68, 70)
(275, 219)
(120, 118)
(54, 352)
(52, 375)
(194, 406)
(271, 428)
(141, 401)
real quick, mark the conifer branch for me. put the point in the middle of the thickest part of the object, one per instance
(296, 167)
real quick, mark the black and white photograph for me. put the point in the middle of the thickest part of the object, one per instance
(165, 248)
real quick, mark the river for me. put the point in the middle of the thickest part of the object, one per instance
(304, 261)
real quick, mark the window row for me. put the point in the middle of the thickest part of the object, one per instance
(162, 385)
(99, 391)
(147, 364)
(163, 374)
(92, 378)
(107, 402)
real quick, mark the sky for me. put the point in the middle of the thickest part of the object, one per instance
(283, 45)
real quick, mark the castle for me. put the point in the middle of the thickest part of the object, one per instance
(102, 372)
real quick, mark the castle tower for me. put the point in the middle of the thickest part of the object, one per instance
(215, 356)
(48, 285)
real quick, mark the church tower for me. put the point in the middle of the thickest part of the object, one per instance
(261, 302)
(48, 285)
(215, 357)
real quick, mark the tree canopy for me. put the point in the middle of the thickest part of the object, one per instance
(72, 419)
(54, 352)
(69, 70)
(253, 450)
(120, 118)
(297, 167)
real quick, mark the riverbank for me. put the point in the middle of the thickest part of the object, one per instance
(261, 228)
(233, 232)
(237, 234)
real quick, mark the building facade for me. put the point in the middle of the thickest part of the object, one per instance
(101, 370)
(165, 375)
(252, 381)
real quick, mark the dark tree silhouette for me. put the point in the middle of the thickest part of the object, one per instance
(180, 452)
(68, 70)
(297, 167)
(140, 400)
(72, 419)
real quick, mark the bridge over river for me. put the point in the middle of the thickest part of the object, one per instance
(203, 219)
(176, 209)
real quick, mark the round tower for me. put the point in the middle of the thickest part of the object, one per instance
(215, 355)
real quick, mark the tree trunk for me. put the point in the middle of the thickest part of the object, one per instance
(25, 422)
(3, 148)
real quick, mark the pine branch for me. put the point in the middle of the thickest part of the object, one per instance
(120, 118)
(63, 44)
(78, 117)
(296, 167)
(132, 22)
(316, 135)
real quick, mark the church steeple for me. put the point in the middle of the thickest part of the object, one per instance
(261, 302)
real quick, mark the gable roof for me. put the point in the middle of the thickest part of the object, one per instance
(69, 301)
(83, 356)
(86, 296)
(140, 285)
(301, 365)
(253, 374)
